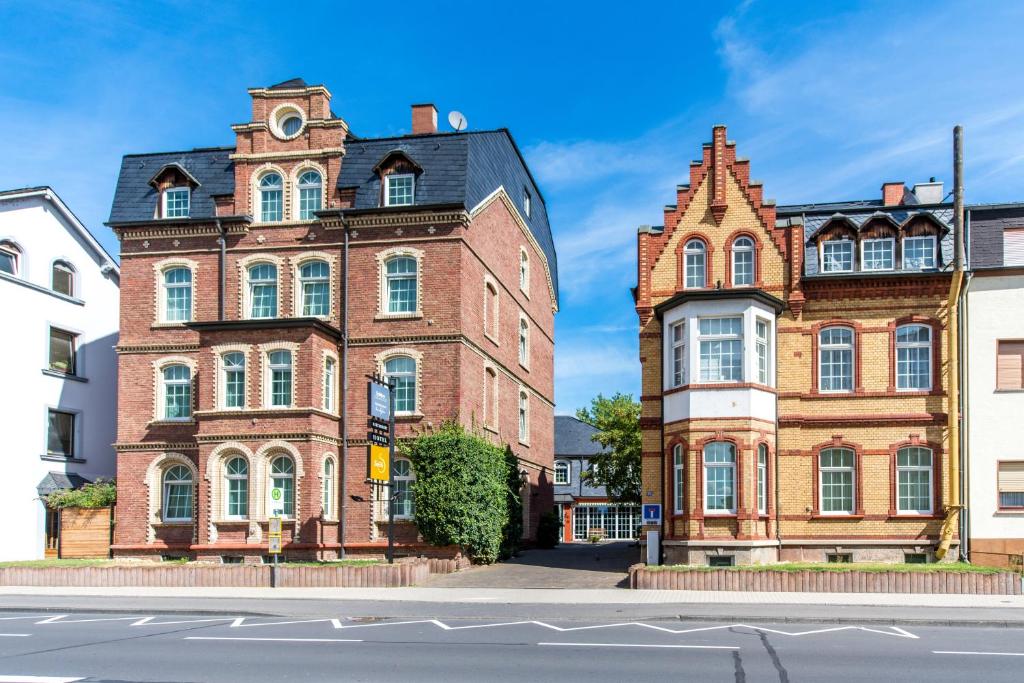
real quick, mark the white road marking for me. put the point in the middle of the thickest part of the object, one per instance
(62, 618)
(984, 654)
(240, 622)
(148, 621)
(15, 635)
(278, 640)
(679, 647)
(38, 679)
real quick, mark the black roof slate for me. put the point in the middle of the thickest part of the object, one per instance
(985, 232)
(574, 437)
(59, 481)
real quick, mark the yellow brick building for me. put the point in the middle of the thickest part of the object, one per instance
(794, 378)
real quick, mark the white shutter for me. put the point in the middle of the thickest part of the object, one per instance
(1013, 247)
(1011, 477)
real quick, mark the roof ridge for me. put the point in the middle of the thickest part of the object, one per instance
(180, 151)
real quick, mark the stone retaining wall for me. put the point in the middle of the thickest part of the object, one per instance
(234, 576)
(1003, 583)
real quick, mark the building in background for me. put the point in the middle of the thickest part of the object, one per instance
(993, 384)
(59, 290)
(794, 374)
(585, 510)
(233, 341)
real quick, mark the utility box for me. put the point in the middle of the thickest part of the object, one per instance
(653, 548)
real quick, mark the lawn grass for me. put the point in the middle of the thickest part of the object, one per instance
(872, 567)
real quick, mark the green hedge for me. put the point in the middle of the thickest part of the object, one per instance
(461, 490)
(98, 494)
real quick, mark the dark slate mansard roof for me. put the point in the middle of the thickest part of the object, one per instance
(574, 437)
(985, 232)
(458, 169)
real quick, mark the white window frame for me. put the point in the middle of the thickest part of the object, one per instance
(387, 279)
(191, 482)
(491, 398)
(852, 469)
(731, 467)
(527, 202)
(840, 242)
(492, 313)
(268, 385)
(916, 468)
(263, 190)
(747, 248)
(851, 347)
(229, 477)
(303, 187)
(906, 345)
(303, 280)
(903, 248)
(678, 478)
(330, 384)
(293, 476)
(524, 417)
(523, 345)
(328, 488)
(695, 248)
(251, 284)
(763, 351)
(407, 479)
(164, 287)
(14, 251)
(164, 385)
(720, 337)
(166, 201)
(891, 241)
(524, 271)
(223, 378)
(65, 266)
(562, 467)
(414, 374)
(762, 479)
(390, 178)
(677, 350)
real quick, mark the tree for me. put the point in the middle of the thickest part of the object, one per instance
(617, 467)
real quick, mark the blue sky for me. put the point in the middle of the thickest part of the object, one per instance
(608, 102)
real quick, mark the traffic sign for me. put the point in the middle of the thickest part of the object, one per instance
(379, 439)
(379, 425)
(380, 401)
(274, 527)
(275, 502)
(379, 463)
(274, 545)
(652, 513)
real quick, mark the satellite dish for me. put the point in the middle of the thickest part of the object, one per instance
(457, 121)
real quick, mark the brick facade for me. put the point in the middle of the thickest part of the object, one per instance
(782, 410)
(455, 250)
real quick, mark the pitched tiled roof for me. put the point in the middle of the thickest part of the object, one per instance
(59, 481)
(574, 437)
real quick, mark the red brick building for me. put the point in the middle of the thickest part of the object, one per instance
(237, 337)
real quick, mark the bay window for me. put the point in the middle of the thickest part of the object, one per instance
(721, 349)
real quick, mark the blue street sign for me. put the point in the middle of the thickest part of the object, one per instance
(380, 401)
(652, 513)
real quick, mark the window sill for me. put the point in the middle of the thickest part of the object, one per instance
(234, 521)
(911, 516)
(1009, 391)
(64, 375)
(719, 515)
(840, 517)
(173, 523)
(493, 340)
(416, 315)
(170, 326)
(408, 417)
(1008, 512)
(524, 367)
(491, 429)
(49, 457)
(158, 423)
(524, 443)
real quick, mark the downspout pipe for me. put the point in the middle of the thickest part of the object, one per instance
(952, 509)
(343, 469)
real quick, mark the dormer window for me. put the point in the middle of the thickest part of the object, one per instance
(176, 202)
(877, 254)
(399, 189)
(918, 253)
(837, 256)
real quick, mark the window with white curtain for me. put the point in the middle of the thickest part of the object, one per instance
(310, 195)
(177, 392)
(678, 339)
(762, 479)
(835, 359)
(837, 256)
(279, 363)
(719, 477)
(914, 480)
(315, 288)
(177, 295)
(401, 371)
(263, 291)
(233, 367)
(914, 357)
(282, 476)
(721, 349)
(877, 254)
(678, 477)
(837, 481)
(236, 476)
(271, 191)
(695, 264)
(918, 252)
(743, 261)
(177, 494)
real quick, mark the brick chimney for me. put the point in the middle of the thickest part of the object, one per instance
(424, 119)
(892, 193)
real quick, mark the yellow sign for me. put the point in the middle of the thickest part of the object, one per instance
(274, 545)
(379, 463)
(274, 526)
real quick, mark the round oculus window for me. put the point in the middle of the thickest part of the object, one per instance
(291, 124)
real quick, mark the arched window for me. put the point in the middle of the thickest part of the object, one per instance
(914, 357)
(678, 480)
(401, 370)
(835, 363)
(837, 481)
(330, 383)
(762, 479)
(62, 278)
(310, 195)
(491, 398)
(914, 480)
(401, 284)
(263, 291)
(491, 311)
(695, 264)
(524, 270)
(719, 477)
(177, 298)
(315, 286)
(236, 476)
(743, 261)
(524, 342)
(561, 473)
(282, 476)
(177, 491)
(327, 492)
(177, 392)
(524, 417)
(404, 504)
(280, 365)
(271, 204)
(10, 258)
(233, 367)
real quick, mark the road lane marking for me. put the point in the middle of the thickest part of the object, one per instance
(983, 654)
(278, 640)
(15, 635)
(38, 679)
(677, 647)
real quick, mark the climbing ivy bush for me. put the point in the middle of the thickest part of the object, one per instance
(460, 490)
(98, 494)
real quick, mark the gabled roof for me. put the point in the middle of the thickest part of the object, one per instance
(59, 481)
(177, 167)
(290, 84)
(574, 437)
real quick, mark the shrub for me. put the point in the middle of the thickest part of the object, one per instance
(548, 530)
(512, 534)
(460, 490)
(98, 494)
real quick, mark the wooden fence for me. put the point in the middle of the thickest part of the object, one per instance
(972, 583)
(84, 533)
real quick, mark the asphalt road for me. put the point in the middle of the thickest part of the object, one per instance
(222, 648)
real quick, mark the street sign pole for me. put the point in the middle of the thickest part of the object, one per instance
(391, 473)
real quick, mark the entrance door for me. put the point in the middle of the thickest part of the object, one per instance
(52, 533)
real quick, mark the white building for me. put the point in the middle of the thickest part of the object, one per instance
(59, 291)
(994, 384)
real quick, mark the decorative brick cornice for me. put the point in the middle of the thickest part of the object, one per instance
(155, 348)
(270, 436)
(386, 219)
(153, 446)
(297, 154)
(162, 228)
